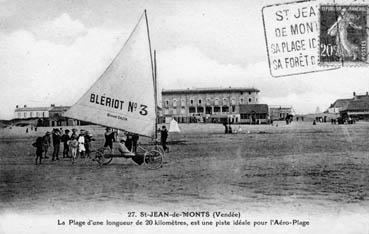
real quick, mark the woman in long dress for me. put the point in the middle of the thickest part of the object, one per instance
(345, 48)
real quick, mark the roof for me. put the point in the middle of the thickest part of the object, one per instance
(341, 103)
(59, 108)
(32, 109)
(208, 90)
(280, 107)
(254, 108)
(358, 105)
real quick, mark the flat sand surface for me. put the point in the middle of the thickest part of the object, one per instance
(296, 169)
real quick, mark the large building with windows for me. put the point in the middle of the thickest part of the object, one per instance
(44, 116)
(211, 105)
(31, 112)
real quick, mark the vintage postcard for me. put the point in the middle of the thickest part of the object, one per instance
(146, 116)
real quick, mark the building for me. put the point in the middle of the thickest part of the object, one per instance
(356, 107)
(44, 116)
(279, 112)
(254, 114)
(31, 112)
(211, 105)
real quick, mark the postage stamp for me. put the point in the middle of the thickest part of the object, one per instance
(292, 38)
(343, 35)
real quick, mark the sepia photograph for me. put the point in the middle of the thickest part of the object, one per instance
(184, 116)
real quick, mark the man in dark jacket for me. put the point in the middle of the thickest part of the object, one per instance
(65, 139)
(39, 148)
(56, 143)
(109, 138)
(46, 143)
(164, 137)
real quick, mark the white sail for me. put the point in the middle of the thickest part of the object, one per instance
(173, 127)
(123, 97)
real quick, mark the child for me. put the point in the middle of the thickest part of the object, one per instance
(39, 148)
(81, 146)
(73, 144)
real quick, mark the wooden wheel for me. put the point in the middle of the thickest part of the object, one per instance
(103, 156)
(153, 159)
(159, 148)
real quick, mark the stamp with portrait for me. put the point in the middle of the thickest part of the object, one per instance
(343, 38)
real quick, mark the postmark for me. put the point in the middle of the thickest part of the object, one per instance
(343, 35)
(292, 38)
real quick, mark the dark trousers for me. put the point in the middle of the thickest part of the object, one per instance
(65, 151)
(164, 144)
(56, 151)
(38, 156)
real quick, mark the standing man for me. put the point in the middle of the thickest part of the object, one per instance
(135, 138)
(56, 143)
(88, 145)
(65, 139)
(109, 138)
(164, 136)
(46, 141)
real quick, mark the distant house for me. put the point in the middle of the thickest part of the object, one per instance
(43, 116)
(356, 107)
(31, 112)
(254, 113)
(279, 112)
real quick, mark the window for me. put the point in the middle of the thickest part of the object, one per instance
(38, 114)
(174, 102)
(183, 102)
(200, 109)
(249, 99)
(241, 101)
(200, 101)
(233, 108)
(245, 116)
(233, 102)
(166, 103)
(43, 114)
(216, 109)
(249, 93)
(191, 101)
(25, 114)
(31, 114)
(225, 108)
(225, 101)
(19, 115)
(192, 109)
(216, 102)
(183, 111)
(208, 101)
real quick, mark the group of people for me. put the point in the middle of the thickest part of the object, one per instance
(79, 144)
(73, 145)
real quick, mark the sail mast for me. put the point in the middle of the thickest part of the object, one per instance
(156, 95)
(153, 73)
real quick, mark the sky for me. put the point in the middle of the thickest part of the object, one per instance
(51, 51)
